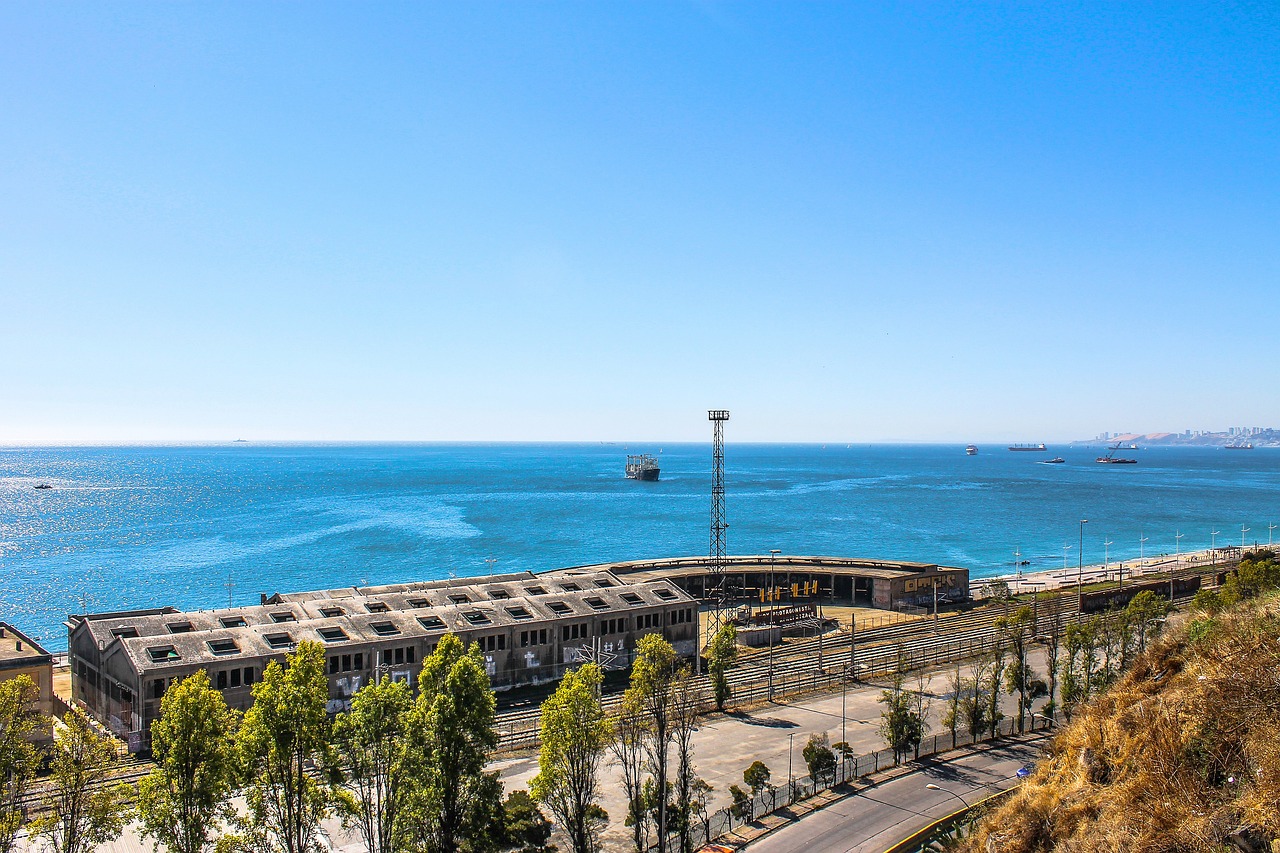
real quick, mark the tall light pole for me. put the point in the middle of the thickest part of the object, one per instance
(1213, 548)
(1106, 556)
(1080, 570)
(1065, 549)
(791, 751)
(773, 556)
(1243, 531)
(1270, 527)
(1142, 546)
(1177, 559)
(491, 561)
(1017, 563)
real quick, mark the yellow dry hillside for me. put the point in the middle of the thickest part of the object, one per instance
(1181, 754)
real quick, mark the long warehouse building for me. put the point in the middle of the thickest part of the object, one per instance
(531, 628)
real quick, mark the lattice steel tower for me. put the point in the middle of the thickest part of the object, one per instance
(716, 563)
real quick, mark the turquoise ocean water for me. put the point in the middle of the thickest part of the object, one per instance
(147, 526)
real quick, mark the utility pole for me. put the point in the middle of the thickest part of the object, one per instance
(773, 555)
(1243, 531)
(491, 561)
(1080, 570)
(716, 563)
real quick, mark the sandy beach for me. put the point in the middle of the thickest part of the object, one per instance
(1158, 564)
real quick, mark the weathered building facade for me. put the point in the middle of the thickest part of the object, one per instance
(20, 655)
(530, 628)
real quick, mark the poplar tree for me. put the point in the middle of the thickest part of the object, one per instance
(630, 731)
(371, 740)
(722, 653)
(85, 808)
(182, 799)
(686, 705)
(450, 736)
(1016, 630)
(18, 759)
(284, 735)
(575, 734)
(652, 679)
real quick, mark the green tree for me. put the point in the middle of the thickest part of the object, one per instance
(371, 740)
(722, 653)
(687, 701)
(757, 777)
(575, 735)
(900, 726)
(183, 798)
(527, 828)
(85, 809)
(653, 676)
(630, 731)
(1145, 612)
(995, 677)
(1016, 630)
(819, 757)
(19, 722)
(700, 804)
(951, 717)
(451, 735)
(283, 736)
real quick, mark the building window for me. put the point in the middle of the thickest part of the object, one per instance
(163, 654)
(334, 663)
(431, 623)
(385, 629)
(346, 663)
(235, 678)
(399, 655)
(332, 634)
(377, 607)
(520, 613)
(248, 675)
(359, 661)
(409, 654)
(536, 590)
(631, 598)
(460, 598)
(222, 679)
(125, 632)
(597, 603)
(477, 617)
(157, 689)
(331, 612)
(283, 616)
(233, 622)
(180, 628)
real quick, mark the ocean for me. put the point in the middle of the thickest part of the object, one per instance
(203, 526)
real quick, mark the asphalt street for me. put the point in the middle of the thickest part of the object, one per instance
(879, 817)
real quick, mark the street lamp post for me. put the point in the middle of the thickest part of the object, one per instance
(1243, 531)
(1213, 548)
(1270, 527)
(791, 784)
(1177, 560)
(773, 556)
(1017, 563)
(1080, 570)
(1106, 557)
(933, 787)
(1142, 547)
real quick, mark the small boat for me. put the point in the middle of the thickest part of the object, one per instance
(1248, 445)
(1112, 459)
(1057, 460)
(1026, 448)
(971, 450)
(42, 486)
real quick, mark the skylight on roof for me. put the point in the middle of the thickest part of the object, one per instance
(477, 617)
(519, 612)
(597, 603)
(283, 616)
(331, 612)
(431, 623)
(233, 622)
(559, 607)
(632, 598)
(163, 654)
(332, 634)
(225, 646)
(460, 598)
(664, 594)
(536, 590)
(124, 632)
(180, 628)
(279, 641)
(385, 629)
(377, 607)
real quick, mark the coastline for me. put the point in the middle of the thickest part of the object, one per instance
(1159, 564)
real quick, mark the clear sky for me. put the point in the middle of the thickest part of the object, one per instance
(564, 221)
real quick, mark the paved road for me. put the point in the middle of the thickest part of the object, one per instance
(873, 821)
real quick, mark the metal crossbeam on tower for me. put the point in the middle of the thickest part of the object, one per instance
(715, 588)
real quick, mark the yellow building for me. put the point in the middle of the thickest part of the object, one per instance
(20, 655)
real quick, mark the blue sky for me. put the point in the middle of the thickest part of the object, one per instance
(844, 222)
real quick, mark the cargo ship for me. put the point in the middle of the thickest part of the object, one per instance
(642, 467)
(1112, 459)
(1028, 448)
(971, 450)
(1248, 445)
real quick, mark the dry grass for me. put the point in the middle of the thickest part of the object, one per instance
(1182, 753)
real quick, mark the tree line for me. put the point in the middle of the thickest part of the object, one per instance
(405, 768)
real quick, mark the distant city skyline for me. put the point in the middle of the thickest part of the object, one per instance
(530, 222)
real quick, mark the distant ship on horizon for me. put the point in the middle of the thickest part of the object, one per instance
(971, 450)
(1112, 459)
(1248, 445)
(1028, 448)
